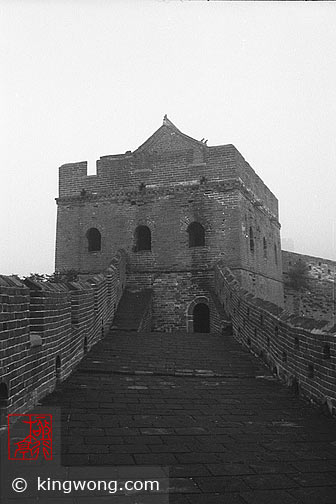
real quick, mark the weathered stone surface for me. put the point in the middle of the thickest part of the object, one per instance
(227, 438)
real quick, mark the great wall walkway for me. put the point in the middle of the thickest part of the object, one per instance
(203, 407)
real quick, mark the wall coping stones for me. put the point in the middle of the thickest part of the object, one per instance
(11, 281)
(79, 285)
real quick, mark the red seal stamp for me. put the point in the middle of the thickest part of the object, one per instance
(36, 439)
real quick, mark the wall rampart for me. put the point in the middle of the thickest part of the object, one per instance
(46, 328)
(167, 215)
(318, 299)
(301, 351)
(318, 267)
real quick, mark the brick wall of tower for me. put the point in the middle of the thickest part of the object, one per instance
(261, 261)
(167, 214)
(255, 186)
(178, 163)
(169, 182)
(173, 292)
(221, 208)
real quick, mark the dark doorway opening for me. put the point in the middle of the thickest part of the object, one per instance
(142, 239)
(201, 318)
(196, 235)
(94, 240)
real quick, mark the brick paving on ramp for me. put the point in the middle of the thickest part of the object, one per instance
(203, 407)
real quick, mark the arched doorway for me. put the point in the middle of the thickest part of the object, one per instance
(143, 239)
(196, 235)
(201, 318)
(94, 240)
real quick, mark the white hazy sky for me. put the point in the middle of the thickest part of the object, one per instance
(81, 79)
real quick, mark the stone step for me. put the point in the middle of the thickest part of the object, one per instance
(131, 310)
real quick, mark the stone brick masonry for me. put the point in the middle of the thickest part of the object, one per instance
(47, 327)
(168, 183)
(203, 409)
(301, 351)
(318, 300)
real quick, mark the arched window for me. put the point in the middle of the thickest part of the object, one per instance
(143, 240)
(196, 235)
(251, 240)
(265, 247)
(94, 240)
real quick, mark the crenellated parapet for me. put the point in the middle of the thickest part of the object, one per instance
(299, 350)
(133, 170)
(46, 328)
(317, 298)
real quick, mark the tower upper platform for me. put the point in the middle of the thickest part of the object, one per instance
(168, 158)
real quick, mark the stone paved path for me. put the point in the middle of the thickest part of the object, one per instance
(203, 407)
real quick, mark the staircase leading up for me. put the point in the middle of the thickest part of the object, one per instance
(134, 311)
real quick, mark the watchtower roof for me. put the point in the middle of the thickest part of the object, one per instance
(167, 127)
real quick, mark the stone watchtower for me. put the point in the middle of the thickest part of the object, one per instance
(176, 206)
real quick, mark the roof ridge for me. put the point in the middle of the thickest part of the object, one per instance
(169, 124)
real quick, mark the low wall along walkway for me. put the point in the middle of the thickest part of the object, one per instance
(46, 328)
(301, 351)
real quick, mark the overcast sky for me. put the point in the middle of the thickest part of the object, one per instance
(82, 79)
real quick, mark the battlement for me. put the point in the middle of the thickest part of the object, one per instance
(318, 299)
(127, 171)
(168, 156)
(46, 328)
(318, 267)
(299, 350)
